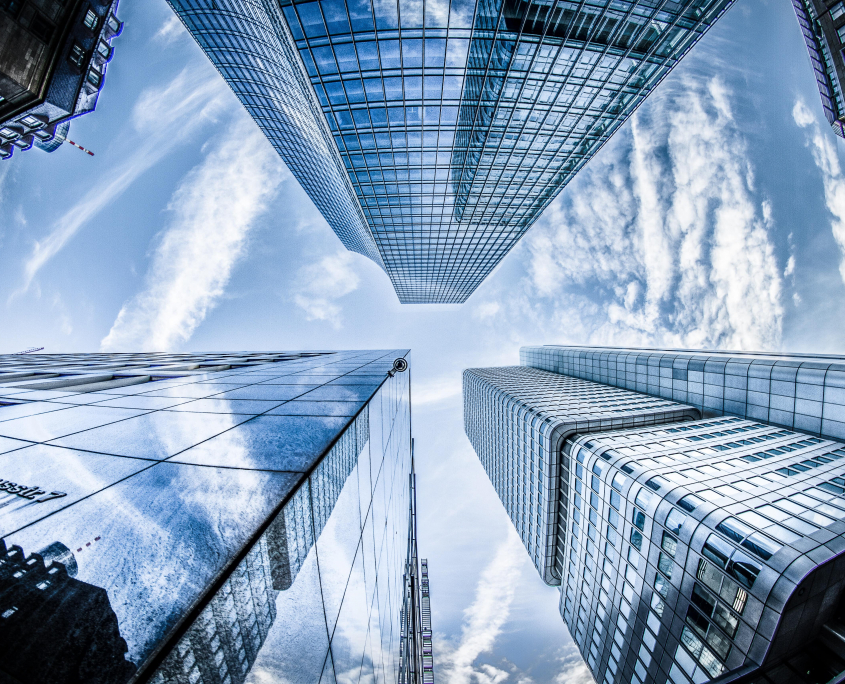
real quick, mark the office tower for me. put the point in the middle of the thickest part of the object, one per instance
(690, 541)
(432, 135)
(416, 664)
(242, 516)
(53, 57)
(823, 28)
(797, 391)
(515, 419)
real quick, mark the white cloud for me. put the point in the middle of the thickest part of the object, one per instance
(321, 284)
(484, 618)
(436, 390)
(802, 114)
(826, 157)
(662, 239)
(573, 669)
(162, 118)
(486, 310)
(790, 266)
(214, 207)
(170, 30)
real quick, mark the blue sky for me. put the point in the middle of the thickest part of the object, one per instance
(714, 218)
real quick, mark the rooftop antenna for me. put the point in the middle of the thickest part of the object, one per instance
(29, 351)
(79, 147)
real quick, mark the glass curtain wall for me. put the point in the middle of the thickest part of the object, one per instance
(157, 546)
(456, 122)
(338, 618)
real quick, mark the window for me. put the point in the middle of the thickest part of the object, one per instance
(77, 55)
(657, 604)
(11, 7)
(701, 652)
(91, 19)
(665, 565)
(104, 49)
(742, 534)
(636, 540)
(638, 518)
(714, 610)
(619, 481)
(41, 28)
(690, 502)
(715, 639)
(743, 569)
(734, 529)
(675, 520)
(644, 498)
(717, 551)
(31, 122)
(656, 483)
(669, 544)
(94, 77)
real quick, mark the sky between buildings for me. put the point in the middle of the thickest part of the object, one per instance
(714, 218)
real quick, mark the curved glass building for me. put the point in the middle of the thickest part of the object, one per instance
(690, 505)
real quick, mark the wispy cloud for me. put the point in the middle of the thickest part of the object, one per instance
(573, 669)
(827, 161)
(321, 284)
(214, 208)
(662, 240)
(162, 118)
(435, 390)
(485, 617)
(170, 30)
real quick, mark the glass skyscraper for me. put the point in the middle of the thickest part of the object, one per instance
(692, 537)
(213, 518)
(432, 135)
(823, 27)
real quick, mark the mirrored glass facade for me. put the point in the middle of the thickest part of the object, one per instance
(203, 518)
(432, 135)
(822, 25)
(687, 549)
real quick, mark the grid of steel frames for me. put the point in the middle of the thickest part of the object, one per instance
(457, 124)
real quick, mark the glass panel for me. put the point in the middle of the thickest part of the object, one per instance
(675, 520)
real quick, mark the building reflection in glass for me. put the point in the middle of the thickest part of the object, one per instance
(432, 135)
(247, 515)
(53, 627)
